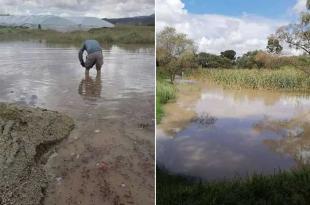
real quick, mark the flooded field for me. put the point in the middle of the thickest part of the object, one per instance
(109, 156)
(217, 133)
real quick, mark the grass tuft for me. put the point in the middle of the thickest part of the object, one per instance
(284, 188)
(165, 92)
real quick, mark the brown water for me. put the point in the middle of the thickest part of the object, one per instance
(217, 133)
(113, 112)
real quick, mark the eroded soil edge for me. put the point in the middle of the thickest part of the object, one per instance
(26, 136)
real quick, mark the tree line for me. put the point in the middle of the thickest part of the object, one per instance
(175, 52)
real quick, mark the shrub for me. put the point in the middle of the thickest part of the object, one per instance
(269, 61)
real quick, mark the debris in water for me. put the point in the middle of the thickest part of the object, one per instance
(123, 185)
(97, 131)
(204, 119)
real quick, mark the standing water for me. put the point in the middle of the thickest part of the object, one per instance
(108, 158)
(221, 133)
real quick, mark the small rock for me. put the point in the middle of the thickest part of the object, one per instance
(97, 131)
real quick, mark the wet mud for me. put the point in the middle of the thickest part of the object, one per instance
(110, 161)
(27, 135)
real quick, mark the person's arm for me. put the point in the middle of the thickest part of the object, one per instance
(81, 55)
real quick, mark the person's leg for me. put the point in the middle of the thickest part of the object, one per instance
(90, 61)
(86, 72)
(99, 61)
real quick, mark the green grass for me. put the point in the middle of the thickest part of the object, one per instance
(165, 92)
(159, 111)
(287, 78)
(118, 34)
(284, 188)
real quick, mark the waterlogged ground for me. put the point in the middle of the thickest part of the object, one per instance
(108, 158)
(217, 133)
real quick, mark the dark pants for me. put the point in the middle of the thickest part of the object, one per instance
(92, 59)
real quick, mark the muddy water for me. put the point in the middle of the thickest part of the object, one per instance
(216, 133)
(108, 158)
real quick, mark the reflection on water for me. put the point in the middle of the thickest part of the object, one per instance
(107, 108)
(297, 140)
(236, 132)
(90, 88)
(48, 76)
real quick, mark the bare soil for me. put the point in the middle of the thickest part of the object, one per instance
(26, 137)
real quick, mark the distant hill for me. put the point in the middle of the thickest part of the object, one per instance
(138, 20)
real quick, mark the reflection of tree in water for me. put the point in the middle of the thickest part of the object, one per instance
(204, 119)
(89, 87)
(295, 139)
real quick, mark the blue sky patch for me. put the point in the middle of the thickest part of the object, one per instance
(273, 9)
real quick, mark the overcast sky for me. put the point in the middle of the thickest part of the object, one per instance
(241, 25)
(98, 8)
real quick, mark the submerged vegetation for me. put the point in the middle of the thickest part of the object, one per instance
(118, 34)
(291, 188)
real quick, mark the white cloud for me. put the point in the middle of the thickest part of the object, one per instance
(99, 8)
(215, 33)
(300, 6)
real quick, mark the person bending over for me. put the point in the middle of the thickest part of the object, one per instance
(94, 55)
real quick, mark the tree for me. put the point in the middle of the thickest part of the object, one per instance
(172, 48)
(177, 65)
(230, 54)
(162, 56)
(273, 45)
(202, 59)
(248, 60)
(208, 60)
(297, 35)
(188, 60)
(174, 43)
